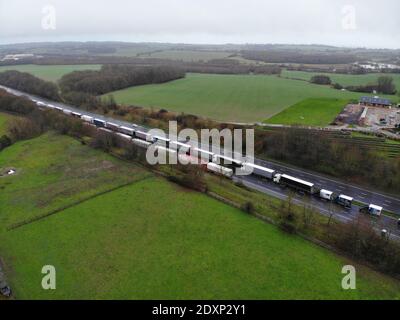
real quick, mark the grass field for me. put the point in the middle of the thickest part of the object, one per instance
(4, 120)
(150, 239)
(123, 246)
(238, 98)
(310, 112)
(50, 73)
(344, 79)
(54, 171)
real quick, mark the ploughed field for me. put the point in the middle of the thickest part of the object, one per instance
(126, 234)
(236, 98)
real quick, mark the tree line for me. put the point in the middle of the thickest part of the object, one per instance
(384, 85)
(115, 77)
(315, 151)
(28, 83)
(294, 56)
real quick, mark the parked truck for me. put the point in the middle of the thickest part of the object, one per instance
(99, 123)
(126, 130)
(112, 126)
(326, 195)
(295, 183)
(144, 136)
(252, 168)
(227, 161)
(203, 154)
(344, 201)
(180, 146)
(372, 209)
(141, 143)
(87, 118)
(213, 167)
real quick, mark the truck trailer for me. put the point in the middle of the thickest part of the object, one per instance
(126, 130)
(295, 183)
(124, 136)
(326, 195)
(252, 168)
(112, 126)
(203, 154)
(99, 123)
(144, 136)
(162, 140)
(87, 118)
(222, 159)
(373, 210)
(141, 143)
(180, 146)
(213, 167)
(344, 201)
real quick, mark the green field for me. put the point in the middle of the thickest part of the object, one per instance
(54, 171)
(4, 120)
(50, 72)
(310, 112)
(344, 79)
(238, 98)
(150, 239)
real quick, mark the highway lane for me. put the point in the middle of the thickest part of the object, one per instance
(322, 206)
(360, 194)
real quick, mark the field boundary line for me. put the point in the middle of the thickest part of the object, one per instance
(53, 212)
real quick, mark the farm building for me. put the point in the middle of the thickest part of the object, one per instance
(375, 102)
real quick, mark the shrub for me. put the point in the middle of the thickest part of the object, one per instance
(321, 79)
(248, 207)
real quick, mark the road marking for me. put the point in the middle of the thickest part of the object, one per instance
(334, 181)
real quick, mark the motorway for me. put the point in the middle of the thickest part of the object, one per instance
(362, 195)
(324, 207)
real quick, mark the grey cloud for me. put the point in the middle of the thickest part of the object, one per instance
(202, 21)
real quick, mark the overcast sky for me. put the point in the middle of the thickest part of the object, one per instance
(355, 23)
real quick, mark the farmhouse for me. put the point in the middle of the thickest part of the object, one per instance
(375, 102)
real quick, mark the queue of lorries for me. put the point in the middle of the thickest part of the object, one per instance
(215, 163)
